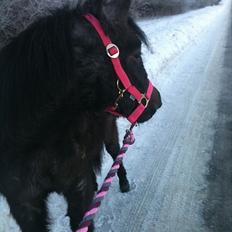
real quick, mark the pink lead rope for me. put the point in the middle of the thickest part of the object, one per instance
(90, 214)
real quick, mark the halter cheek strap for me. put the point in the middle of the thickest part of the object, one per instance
(113, 52)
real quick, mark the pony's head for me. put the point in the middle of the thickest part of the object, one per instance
(59, 67)
(100, 74)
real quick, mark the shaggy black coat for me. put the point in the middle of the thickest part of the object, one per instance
(55, 83)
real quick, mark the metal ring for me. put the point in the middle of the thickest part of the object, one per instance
(144, 98)
(108, 47)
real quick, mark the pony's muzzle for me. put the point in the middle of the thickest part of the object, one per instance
(157, 98)
(154, 104)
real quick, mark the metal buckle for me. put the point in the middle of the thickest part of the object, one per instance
(146, 101)
(120, 90)
(108, 47)
(120, 95)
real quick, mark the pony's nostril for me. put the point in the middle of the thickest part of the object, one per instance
(158, 101)
(157, 106)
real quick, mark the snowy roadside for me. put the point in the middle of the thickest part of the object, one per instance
(168, 37)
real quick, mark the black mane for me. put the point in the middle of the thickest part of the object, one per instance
(30, 64)
(141, 35)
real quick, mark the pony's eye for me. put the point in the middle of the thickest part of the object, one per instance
(137, 56)
(137, 53)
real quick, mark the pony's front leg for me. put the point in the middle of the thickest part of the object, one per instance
(79, 201)
(30, 214)
(113, 148)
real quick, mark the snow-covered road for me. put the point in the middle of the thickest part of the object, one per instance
(168, 166)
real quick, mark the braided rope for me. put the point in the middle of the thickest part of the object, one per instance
(90, 214)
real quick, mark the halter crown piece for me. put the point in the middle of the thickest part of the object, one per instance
(113, 52)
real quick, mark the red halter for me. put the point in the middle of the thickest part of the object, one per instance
(113, 52)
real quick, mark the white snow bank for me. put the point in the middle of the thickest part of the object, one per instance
(169, 36)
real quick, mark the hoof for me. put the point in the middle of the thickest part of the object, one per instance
(124, 186)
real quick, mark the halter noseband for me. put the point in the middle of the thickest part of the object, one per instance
(113, 52)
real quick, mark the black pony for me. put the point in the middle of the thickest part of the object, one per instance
(56, 81)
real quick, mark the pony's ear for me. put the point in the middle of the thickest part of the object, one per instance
(115, 11)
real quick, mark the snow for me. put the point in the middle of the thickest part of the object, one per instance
(169, 37)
